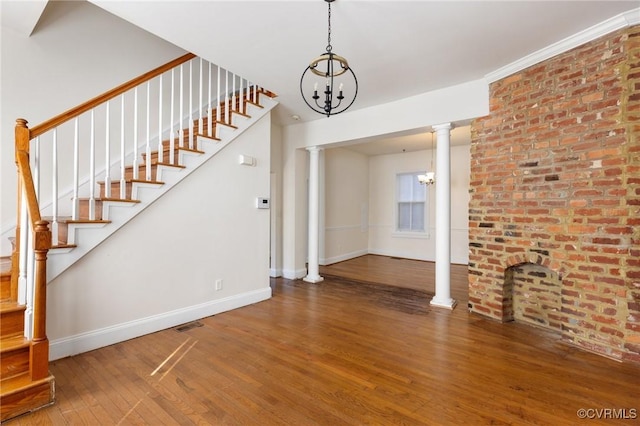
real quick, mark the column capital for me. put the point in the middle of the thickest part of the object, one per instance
(313, 148)
(443, 126)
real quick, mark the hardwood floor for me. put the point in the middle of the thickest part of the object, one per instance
(344, 352)
(399, 272)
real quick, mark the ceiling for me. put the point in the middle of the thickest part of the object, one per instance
(396, 48)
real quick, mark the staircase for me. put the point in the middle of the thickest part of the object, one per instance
(25, 382)
(22, 387)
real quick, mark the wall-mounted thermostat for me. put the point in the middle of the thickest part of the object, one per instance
(263, 203)
(246, 160)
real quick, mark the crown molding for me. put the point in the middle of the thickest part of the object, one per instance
(623, 20)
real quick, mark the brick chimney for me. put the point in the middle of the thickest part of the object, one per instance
(555, 182)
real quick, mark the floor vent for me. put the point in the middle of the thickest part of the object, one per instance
(188, 326)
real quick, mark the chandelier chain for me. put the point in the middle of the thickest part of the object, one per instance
(329, 29)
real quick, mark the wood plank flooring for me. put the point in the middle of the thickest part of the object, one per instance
(344, 352)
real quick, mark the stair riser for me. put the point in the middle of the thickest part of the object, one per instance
(12, 323)
(14, 362)
(166, 153)
(142, 173)
(5, 287)
(115, 190)
(27, 400)
(63, 233)
(83, 209)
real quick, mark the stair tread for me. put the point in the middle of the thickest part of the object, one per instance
(227, 124)
(130, 180)
(9, 343)
(166, 146)
(7, 305)
(68, 219)
(63, 246)
(177, 166)
(17, 383)
(112, 199)
(181, 148)
(209, 137)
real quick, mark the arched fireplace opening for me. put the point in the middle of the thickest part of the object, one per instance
(533, 296)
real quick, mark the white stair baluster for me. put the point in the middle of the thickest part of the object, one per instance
(218, 99)
(24, 237)
(160, 146)
(75, 202)
(226, 97)
(92, 168)
(233, 96)
(241, 94)
(123, 169)
(30, 285)
(210, 110)
(54, 184)
(107, 157)
(136, 160)
(172, 133)
(147, 164)
(190, 121)
(200, 104)
(181, 112)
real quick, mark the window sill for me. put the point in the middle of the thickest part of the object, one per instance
(422, 235)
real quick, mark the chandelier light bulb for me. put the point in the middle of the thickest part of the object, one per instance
(428, 178)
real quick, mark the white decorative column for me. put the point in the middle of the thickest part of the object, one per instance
(313, 275)
(443, 218)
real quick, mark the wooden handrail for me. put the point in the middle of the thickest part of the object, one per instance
(22, 159)
(39, 353)
(87, 106)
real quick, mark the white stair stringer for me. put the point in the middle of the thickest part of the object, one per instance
(88, 236)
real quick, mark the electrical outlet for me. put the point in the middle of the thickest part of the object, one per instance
(218, 285)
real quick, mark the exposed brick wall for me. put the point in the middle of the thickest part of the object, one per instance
(555, 181)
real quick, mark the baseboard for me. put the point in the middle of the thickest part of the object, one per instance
(294, 274)
(275, 272)
(343, 257)
(73, 345)
(405, 255)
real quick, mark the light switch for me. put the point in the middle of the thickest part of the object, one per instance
(263, 203)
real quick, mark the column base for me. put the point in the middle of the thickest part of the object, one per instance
(447, 303)
(313, 279)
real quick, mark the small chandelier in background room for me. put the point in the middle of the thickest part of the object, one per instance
(428, 178)
(324, 73)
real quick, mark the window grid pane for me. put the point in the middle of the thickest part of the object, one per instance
(411, 196)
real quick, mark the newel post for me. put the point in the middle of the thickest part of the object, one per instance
(40, 343)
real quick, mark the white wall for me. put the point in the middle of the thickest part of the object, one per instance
(275, 254)
(76, 52)
(346, 205)
(356, 183)
(383, 239)
(159, 270)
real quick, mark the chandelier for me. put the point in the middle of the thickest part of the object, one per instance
(328, 71)
(428, 178)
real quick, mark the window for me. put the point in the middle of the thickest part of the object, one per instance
(411, 196)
